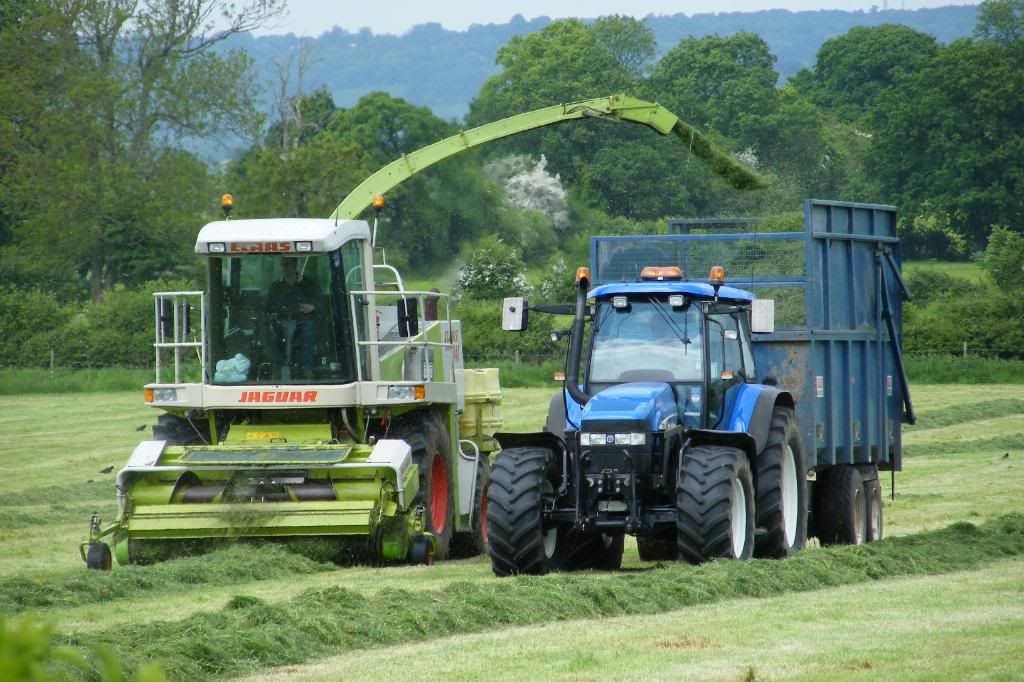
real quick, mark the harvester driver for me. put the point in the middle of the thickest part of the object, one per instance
(293, 305)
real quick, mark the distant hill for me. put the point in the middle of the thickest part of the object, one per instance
(442, 69)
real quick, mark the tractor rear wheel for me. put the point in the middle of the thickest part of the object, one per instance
(601, 552)
(660, 546)
(781, 490)
(473, 542)
(426, 434)
(715, 505)
(523, 485)
(840, 509)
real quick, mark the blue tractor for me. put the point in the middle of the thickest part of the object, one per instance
(679, 422)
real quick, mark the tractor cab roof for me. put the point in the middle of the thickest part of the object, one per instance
(691, 289)
(278, 235)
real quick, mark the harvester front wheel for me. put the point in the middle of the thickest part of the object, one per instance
(781, 490)
(715, 505)
(426, 434)
(523, 485)
(98, 556)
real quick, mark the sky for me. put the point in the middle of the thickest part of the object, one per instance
(313, 17)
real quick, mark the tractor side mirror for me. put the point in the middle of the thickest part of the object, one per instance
(514, 314)
(186, 318)
(408, 317)
(166, 318)
(762, 316)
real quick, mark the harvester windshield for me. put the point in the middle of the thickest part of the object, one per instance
(279, 319)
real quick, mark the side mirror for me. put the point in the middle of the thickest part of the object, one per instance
(166, 318)
(186, 318)
(513, 314)
(762, 316)
(408, 317)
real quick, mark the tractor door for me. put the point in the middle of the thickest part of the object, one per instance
(730, 362)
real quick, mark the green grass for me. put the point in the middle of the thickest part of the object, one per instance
(961, 269)
(965, 461)
(950, 369)
(14, 381)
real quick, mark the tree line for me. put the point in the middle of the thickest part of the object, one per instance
(98, 193)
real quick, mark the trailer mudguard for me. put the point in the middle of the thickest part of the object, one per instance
(751, 411)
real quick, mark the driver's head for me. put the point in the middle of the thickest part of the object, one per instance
(289, 268)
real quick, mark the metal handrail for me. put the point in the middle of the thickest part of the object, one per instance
(178, 300)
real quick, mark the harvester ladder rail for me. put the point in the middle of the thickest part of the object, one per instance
(178, 300)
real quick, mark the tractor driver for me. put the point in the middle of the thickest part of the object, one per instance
(293, 303)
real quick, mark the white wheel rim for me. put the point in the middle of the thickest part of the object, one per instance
(550, 536)
(790, 494)
(739, 518)
(874, 515)
(858, 518)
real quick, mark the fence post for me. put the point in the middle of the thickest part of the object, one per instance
(53, 359)
(517, 356)
(965, 350)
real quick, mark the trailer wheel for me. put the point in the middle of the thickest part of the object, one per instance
(473, 542)
(601, 552)
(98, 556)
(874, 508)
(781, 490)
(426, 434)
(522, 486)
(660, 546)
(715, 505)
(840, 508)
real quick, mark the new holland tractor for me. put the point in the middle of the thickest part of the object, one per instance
(690, 420)
(306, 394)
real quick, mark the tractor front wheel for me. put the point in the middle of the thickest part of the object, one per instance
(715, 505)
(523, 484)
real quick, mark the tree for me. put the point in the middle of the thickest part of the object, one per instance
(1001, 21)
(852, 70)
(630, 42)
(949, 141)
(95, 173)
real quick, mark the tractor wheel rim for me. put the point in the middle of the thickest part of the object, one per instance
(790, 494)
(549, 537)
(439, 494)
(483, 514)
(739, 518)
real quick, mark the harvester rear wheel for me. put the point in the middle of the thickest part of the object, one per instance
(840, 509)
(98, 556)
(660, 546)
(781, 490)
(426, 434)
(715, 505)
(523, 484)
(473, 542)
(601, 552)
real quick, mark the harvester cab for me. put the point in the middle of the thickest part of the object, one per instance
(301, 398)
(692, 421)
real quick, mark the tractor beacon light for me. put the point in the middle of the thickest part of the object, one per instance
(717, 276)
(661, 274)
(583, 275)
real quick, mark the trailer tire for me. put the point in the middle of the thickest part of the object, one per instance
(523, 481)
(98, 556)
(660, 546)
(426, 434)
(473, 542)
(781, 489)
(714, 505)
(875, 529)
(601, 552)
(840, 507)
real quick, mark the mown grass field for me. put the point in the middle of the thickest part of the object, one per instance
(929, 603)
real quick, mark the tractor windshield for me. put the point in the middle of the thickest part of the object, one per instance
(283, 319)
(647, 340)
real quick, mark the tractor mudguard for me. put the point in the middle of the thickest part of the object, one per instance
(541, 439)
(752, 411)
(734, 439)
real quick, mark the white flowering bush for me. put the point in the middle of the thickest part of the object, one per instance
(529, 186)
(494, 271)
(558, 285)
